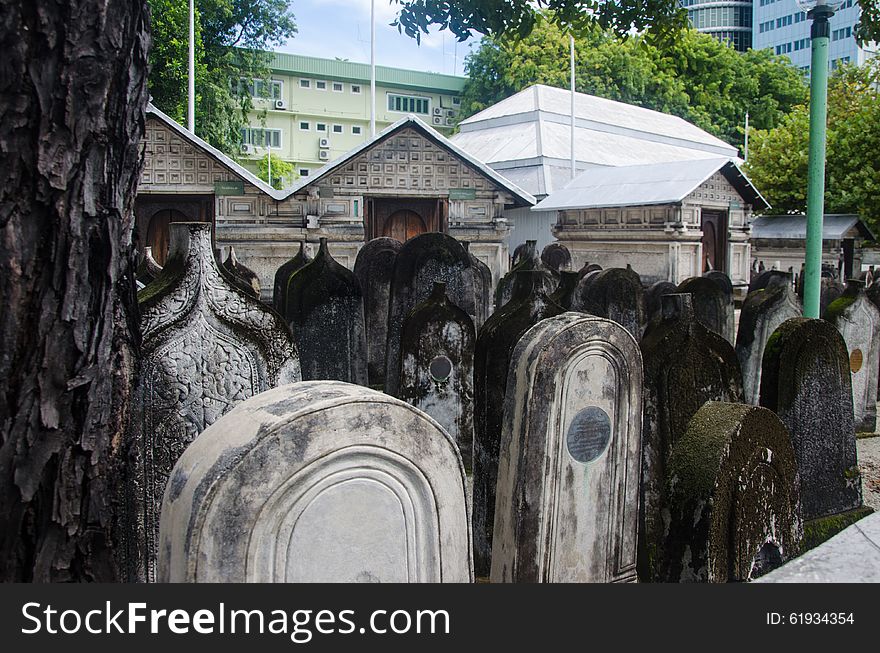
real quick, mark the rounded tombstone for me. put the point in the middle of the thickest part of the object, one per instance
(710, 304)
(653, 299)
(248, 278)
(556, 257)
(362, 487)
(587, 268)
(525, 258)
(616, 294)
(282, 277)
(568, 281)
(770, 278)
(149, 269)
(723, 282)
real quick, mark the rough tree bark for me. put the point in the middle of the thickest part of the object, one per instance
(72, 99)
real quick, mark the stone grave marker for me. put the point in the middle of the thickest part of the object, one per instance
(568, 281)
(556, 257)
(437, 367)
(587, 268)
(615, 294)
(712, 308)
(248, 279)
(873, 294)
(762, 311)
(148, 269)
(858, 321)
(361, 487)
(733, 497)
(525, 258)
(325, 310)
(724, 283)
(568, 480)
(207, 345)
(282, 277)
(495, 342)
(374, 268)
(482, 287)
(769, 278)
(653, 301)
(806, 381)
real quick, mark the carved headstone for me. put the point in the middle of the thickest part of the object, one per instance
(733, 490)
(325, 309)
(567, 503)
(207, 345)
(686, 365)
(615, 294)
(499, 335)
(248, 278)
(858, 321)
(762, 311)
(653, 299)
(282, 277)
(374, 268)
(148, 269)
(318, 482)
(556, 257)
(482, 287)
(806, 381)
(421, 261)
(568, 281)
(437, 367)
(712, 308)
(525, 258)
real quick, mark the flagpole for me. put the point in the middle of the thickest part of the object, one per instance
(191, 91)
(571, 45)
(372, 68)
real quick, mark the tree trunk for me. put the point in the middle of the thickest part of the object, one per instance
(73, 90)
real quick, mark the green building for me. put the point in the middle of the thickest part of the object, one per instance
(318, 109)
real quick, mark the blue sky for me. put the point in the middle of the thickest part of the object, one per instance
(341, 28)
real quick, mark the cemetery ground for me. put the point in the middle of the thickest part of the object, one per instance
(868, 448)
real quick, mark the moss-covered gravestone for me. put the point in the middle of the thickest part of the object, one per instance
(437, 367)
(325, 310)
(568, 281)
(499, 335)
(556, 257)
(374, 268)
(768, 279)
(732, 497)
(762, 311)
(712, 308)
(247, 278)
(858, 321)
(207, 345)
(282, 277)
(568, 481)
(686, 365)
(525, 257)
(653, 299)
(149, 269)
(806, 381)
(615, 294)
(722, 281)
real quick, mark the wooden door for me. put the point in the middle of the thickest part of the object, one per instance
(403, 225)
(714, 240)
(158, 232)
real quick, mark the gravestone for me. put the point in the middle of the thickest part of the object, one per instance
(528, 249)
(495, 342)
(858, 321)
(374, 268)
(568, 281)
(556, 257)
(587, 268)
(685, 365)
(806, 381)
(421, 261)
(248, 279)
(769, 278)
(568, 480)
(653, 301)
(615, 294)
(437, 367)
(525, 258)
(149, 269)
(762, 311)
(733, 497)
(711, 307)
(829, 290)
(359, 487)
(325, 310)
(482, 287)
(726, 286)
(282, 277)
(207, 345)
(873, 294)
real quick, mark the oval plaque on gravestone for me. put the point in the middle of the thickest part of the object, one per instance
(440, 368)
(855, 360)
(588, 434)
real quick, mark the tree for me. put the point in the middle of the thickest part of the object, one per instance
(693, 75)
(232, 37)
(778, 157)
(72, 98)
(281, 170)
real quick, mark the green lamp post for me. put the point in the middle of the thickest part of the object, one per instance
(819, 11)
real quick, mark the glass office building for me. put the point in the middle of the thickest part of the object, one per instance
(727, 20)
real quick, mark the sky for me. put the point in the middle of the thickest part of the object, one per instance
(341, 28)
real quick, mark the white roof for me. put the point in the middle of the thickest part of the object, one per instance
(656, 183)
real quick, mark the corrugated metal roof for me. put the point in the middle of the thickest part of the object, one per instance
(298, 64)
(657, 183)
(794, 227)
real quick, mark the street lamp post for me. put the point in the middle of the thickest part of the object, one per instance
(819, 11)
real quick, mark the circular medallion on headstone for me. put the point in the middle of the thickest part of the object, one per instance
(855, 360)
(588, 434)
(440, 368)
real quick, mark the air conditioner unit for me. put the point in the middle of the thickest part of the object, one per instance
(450, 122)
(324, 155)
(438, 120)
(248, 149)
(324, 143)
(280, 104)
(450, 113)
(438, 111)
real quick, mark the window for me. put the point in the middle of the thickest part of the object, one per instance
(355, 88)
(456, 101)
(320, 85)
(257, 88)
(305, 83)
(304, 125)
(303, 172)
(409, 104)
(259, 137)
(337, 129)
(321, 127)
(337, 87)
(356, 130)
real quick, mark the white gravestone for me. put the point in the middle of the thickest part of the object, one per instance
(318, 481)
(567, 499)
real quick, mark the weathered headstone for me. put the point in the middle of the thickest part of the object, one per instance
(568, 481)
(556, 257)
(873, 294)
(282, 277)
(207, 345)
(653, 299)
(318, 482)
(686, 365)
(325, 310)
(374, 268)
(482, 287)
(806, 381)
(499, 335)
(525, 258)
(248, 278)
(421, 261)
(437, 367)
(711, 307)
(587, 268)
(733, 511)
(858, 321)
(769, 278)
(568, 281)
(149, 269)
(762, 311)
(829, 290)
(615, 294)
(726, 286)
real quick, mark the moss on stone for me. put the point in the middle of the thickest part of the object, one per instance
(822, 529)
(839, 306)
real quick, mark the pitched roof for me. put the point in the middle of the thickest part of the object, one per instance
(784, 227)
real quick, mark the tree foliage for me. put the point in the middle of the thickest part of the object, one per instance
(693, 75)
(281, 170)
(231, 39)
(778, 157)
